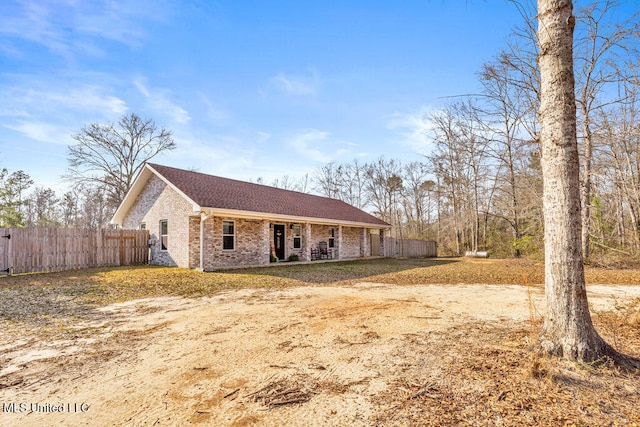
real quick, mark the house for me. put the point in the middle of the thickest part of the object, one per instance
(207, 222)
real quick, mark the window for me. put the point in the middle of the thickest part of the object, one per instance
(332, 240)
(164, 235)
(143, 226)
(228, 235)
(297, 237)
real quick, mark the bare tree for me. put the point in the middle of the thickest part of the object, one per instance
(353, 184)
(568, 330)
(303, 183)
(621, 153)
(507, 107)
(95, 212)
(383, 186)
(460, 162)
(42, 208)
(602, 41)
(446, 164)
(329, 181)
(111, 155)
(286, 182)
(417, 198)
(70, 209)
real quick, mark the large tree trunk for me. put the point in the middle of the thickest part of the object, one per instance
(568, 330)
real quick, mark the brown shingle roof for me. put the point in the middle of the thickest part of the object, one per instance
(210, 191)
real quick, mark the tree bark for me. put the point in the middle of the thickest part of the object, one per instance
(568, 330)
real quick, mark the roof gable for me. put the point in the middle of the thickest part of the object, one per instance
(208, 191)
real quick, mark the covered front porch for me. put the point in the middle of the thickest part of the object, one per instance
(222, 241)
(304, 242)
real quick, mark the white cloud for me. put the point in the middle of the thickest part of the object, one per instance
(88, 98)
(263, 137)
(160, 101)
(68, 27)
(17, 100)
(316, 145)
(294, 85)
(213, 113)
(308, 143)
(52, 116)
(412, 127)
(217, 154)
(34, 23)
(43, 132)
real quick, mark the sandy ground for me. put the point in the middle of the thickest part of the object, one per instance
(302, 356)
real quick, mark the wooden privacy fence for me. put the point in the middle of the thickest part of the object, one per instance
(32, 250)
(406, 248)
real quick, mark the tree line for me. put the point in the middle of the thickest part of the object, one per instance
(24, 205)
(556, 120)
(102, 164)
(479, 187)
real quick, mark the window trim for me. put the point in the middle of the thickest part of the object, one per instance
(297, 235)
(164, 238)
(332, 238)
(229, 234)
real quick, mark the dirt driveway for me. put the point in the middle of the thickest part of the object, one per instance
(300, 356)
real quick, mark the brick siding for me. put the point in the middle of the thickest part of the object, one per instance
(350, 242)
(253, 238)
(251, 243)
(156, 202)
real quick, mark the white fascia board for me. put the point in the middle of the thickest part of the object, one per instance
(131, 196)
(232, 213)
(194, 205)
(137, 186)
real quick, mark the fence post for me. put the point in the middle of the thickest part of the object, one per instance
(9, 253)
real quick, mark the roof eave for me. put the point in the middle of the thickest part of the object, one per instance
(138, 185)
(233, 213)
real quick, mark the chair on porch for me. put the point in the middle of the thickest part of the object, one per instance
(325, 253)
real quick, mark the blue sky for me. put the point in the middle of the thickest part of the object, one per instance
(249, 88)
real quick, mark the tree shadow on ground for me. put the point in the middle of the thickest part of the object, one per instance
(61, 298)
(342, 271)
(44, 299)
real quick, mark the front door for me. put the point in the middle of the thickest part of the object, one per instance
(278, 240)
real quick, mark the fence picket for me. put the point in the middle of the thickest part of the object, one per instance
(406, 248)
(56, 249)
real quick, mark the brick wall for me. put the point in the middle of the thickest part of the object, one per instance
(251, 243)
(157, 201)
(253, 238)
(365, 239)
(194, 242)
(350, 242)
(289, 234)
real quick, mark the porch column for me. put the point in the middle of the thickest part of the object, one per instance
(203, 235)
(306, 242)
(364, 244)
(339, 242)
(266, 243)
(381, 242)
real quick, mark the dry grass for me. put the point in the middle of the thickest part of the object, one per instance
(478, 374)
(44, 299)
(485, 376)
(51, 301)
